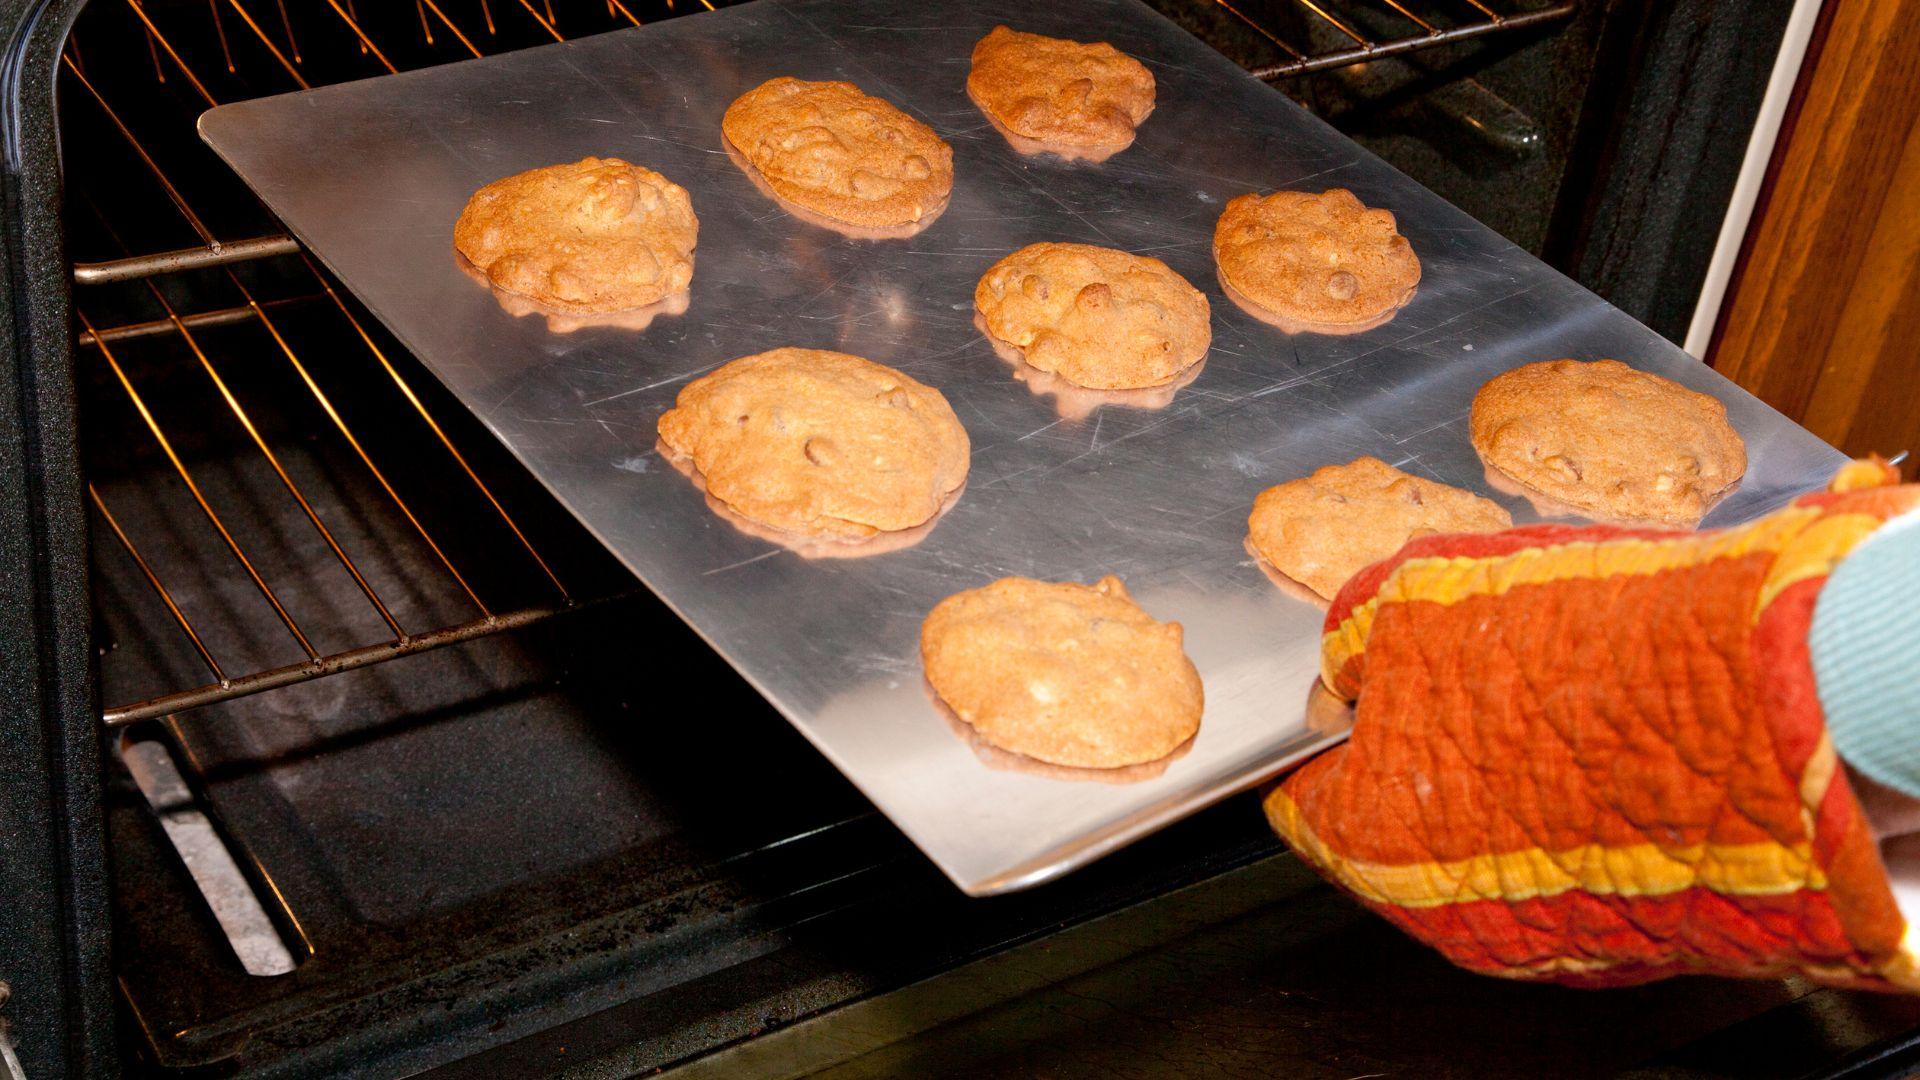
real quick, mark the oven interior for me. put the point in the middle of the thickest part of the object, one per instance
(563, 800)
(401, 765)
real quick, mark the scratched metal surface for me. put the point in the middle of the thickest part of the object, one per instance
(371, 176)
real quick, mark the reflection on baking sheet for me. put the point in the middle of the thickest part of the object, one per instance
(1293, 589)
(1326, 713)
(852, 232)
(1007, 761)
(1307, 326)
(566, 322)
(810, 547)
(1021, 144)
(1547, 506)
(1073, 402)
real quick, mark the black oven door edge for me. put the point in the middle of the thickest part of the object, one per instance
(53, 892)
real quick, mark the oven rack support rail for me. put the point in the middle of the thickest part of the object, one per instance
(210, 252)
(1359, 48)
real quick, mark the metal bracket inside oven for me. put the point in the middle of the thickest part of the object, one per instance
(1353, 43)
(7, 1056)
(244, 920)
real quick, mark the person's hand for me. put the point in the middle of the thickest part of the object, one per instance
(1596, 755)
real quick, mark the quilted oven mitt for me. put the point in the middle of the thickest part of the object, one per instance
(1594, 755)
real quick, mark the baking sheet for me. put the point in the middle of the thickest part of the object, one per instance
(371, 176)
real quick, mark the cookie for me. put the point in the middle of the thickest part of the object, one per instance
(597, 236)
(819, 444)
(1064, 673)
(1321, 262)
(1058, 92)
(1615, 443)
(1007, 761)
(813, 547)
(1324, 528)
(1074, 403)
(563, 322)
(846, 155)
(1099, 318)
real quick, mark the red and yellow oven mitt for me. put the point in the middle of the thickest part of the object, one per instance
(1595, 756)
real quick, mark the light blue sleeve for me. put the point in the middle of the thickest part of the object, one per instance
(1865, 642)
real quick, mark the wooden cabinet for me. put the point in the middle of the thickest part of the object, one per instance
(1823, 317)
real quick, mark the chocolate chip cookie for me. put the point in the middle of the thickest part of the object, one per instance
(1099, 318)
(1320, 263)
(1064, 673)
(819, 444)
(835, 151)
(1058, 93)
(1323, 528)
(1616, 443)
(597, 236)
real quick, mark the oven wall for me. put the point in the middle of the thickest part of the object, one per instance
(53, 922)
(1607, 144)
(1675, 90)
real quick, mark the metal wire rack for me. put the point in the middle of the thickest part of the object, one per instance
(275, 37)
(1354, 41)
(266, 46)
(102, 342)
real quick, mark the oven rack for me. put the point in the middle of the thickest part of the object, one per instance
(99, 344)
(258, 40)
(287, 57)
(224, 685)
(1355, 44)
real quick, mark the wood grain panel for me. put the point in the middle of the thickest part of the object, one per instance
(1823, 319)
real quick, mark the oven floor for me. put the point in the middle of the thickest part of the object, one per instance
(476, 844)
(521, 844)
(1266, 971)
(412, 790)
(456, 815)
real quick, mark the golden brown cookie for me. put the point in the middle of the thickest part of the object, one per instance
(831, 149)
(1321, 262)
(1064, 673)
(1322, 529)
(1075, 403)
(819, 444)
(1099, 318)
(813, 547)
(1616, 443)
(1007, 761)
(597, 236)
(1058, 92)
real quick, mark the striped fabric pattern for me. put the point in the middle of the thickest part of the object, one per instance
(1596, 755)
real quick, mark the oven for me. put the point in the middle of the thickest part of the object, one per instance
(333, 745)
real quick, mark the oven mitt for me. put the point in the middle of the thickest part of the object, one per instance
(1595, 755)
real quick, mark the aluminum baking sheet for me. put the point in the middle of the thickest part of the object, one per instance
(371, 176)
